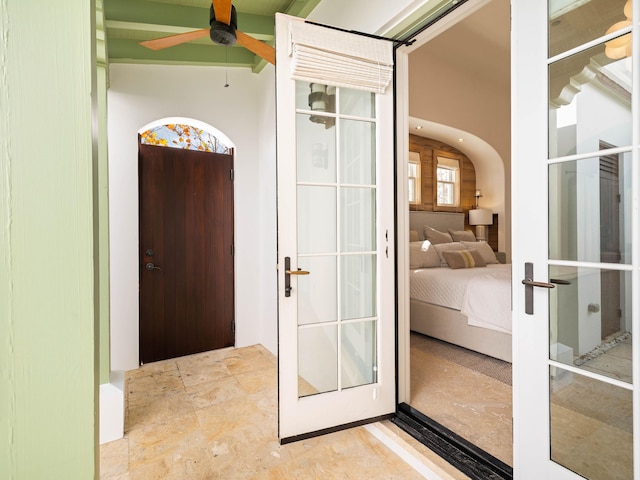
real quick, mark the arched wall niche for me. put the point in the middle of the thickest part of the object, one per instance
(488, 164)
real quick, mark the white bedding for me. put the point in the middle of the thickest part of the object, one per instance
(481, 294)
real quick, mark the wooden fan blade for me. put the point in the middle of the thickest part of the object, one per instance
(165, 42)
(261, 49)
(222, 9)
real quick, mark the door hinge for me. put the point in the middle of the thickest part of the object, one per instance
(231, 174)
(233, 250)
(233, 326)
(619, 313)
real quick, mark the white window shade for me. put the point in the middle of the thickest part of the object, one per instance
(342, 59)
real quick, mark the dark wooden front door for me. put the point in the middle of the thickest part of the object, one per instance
(186, 252)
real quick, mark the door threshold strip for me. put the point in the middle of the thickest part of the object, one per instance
(466, 457)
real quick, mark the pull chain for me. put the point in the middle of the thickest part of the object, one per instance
(226, 70)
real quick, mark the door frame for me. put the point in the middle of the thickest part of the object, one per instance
(402, 196)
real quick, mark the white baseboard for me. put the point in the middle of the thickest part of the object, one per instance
(112, 408)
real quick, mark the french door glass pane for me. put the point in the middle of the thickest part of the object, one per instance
(591, 426)
(317, 292)
(590, 320)
(590, 209)
(357, 103)
(357, 221)
(576, 22)
(317, 360)
(589, 103)
(357, 152)
(316, 151)
(358, 354)
(358, 286)
(316, 219)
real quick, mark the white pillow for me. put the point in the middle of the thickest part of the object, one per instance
(484, 249)
(448, 247)
(423, 255)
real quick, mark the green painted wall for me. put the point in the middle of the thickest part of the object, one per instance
(48, 375)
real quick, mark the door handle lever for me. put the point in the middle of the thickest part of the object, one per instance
(287, 276)
(529, 283)
(297, 272)
(150, 266)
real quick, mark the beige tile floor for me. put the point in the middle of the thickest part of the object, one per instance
(214, 415)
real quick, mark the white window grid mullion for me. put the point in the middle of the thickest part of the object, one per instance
(588, 155)
(343, 185)
(339, 235)
(592, 375)
(335, 114)
(625, 267)
(591, 44)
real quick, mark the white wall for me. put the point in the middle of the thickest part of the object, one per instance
(140, 94)
(268, 224)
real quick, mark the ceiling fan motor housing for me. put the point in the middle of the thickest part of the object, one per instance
(221, 33)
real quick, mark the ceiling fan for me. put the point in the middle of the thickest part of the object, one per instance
(223, 31)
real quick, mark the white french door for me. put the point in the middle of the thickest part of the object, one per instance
(335, 252)
(575, 222)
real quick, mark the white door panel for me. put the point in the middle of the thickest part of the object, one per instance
(336, 222)
(575, 219)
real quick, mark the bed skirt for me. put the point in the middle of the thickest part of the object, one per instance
(451, 326)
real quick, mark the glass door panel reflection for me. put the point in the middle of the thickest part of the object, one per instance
(590, 209)
(589, 103)
(591, 426)
(590, 320)
(574, 23)
(590, 238)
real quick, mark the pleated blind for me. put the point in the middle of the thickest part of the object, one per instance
(342, 59)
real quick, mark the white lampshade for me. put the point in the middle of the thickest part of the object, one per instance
(480, 216)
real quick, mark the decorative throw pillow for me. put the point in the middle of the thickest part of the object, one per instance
(484, 249)
(436, 236)
(464, 259)
(423, 255)
(462, 235)
(447, 247)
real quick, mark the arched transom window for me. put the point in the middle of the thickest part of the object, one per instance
(179, 135)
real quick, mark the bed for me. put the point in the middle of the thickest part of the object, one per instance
(469, 307)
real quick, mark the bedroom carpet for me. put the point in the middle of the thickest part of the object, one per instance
(465, 391)
(491, 367)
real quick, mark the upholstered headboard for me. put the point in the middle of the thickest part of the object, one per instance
(442, 221)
